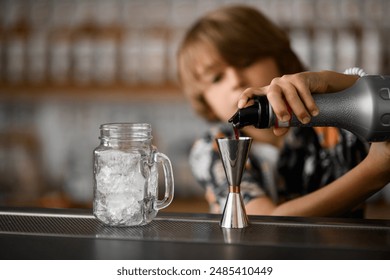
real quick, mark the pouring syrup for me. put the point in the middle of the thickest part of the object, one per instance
(236, 132)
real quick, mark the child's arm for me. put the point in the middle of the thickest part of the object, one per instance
(343, 194)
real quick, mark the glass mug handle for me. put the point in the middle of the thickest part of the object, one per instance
(169, 182)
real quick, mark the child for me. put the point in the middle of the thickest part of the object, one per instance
(234, 53)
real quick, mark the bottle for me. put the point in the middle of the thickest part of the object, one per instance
(363, 109)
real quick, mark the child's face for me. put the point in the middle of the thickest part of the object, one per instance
(223, 83)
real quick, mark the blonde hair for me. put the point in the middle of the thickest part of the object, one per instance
(241, 35)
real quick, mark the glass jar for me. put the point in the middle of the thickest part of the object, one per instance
(126, 175)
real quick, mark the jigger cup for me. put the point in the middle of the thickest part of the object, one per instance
(234, 154)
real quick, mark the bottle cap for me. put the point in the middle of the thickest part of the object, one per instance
(256, 114)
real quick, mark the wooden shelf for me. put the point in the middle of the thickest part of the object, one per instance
(101, 92)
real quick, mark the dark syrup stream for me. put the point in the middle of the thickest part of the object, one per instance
(236, 132)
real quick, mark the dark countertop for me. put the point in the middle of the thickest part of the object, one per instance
(75, 234)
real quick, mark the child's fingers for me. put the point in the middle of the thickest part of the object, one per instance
(245, 98)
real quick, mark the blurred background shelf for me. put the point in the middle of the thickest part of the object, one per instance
(108, 92)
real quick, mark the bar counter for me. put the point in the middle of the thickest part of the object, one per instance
(34, 233)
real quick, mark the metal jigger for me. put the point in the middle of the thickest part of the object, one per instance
(234, 154)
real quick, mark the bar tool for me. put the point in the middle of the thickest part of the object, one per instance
(234, 154)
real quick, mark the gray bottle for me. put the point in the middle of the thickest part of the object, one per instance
(363, 109)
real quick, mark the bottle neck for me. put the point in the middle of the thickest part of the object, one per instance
(258, 115)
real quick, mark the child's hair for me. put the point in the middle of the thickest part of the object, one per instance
(240, 35)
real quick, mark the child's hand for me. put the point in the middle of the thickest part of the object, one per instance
(294, 91)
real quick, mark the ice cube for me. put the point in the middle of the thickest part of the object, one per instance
(120, 188)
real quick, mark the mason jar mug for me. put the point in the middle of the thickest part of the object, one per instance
(126, 175)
